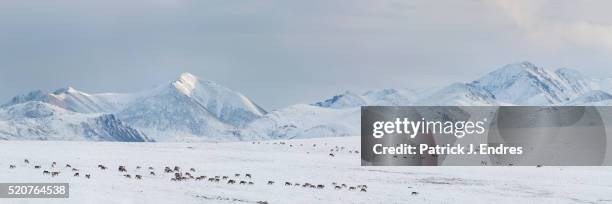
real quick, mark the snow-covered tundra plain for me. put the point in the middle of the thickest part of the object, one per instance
(295, 161)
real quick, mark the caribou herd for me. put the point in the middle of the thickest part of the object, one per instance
(178, 175)
(52, 173)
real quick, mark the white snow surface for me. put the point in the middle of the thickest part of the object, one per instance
(273, 161)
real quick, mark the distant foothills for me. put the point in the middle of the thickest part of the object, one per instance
(190, 109)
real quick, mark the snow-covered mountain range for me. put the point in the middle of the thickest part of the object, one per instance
(34, 120)
(188, 109)
(192, 109)
(514, 84)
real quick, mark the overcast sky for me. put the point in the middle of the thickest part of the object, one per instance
(285, 52)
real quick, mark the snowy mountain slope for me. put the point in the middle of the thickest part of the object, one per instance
(36, 120)
(169, 113)
(344, 100)
(189, 109)
(578, 83)
(383, 97)
(458, 94)
(393, 97)
(596, 97)
(526, 84)
(305, 121)
(604, 84)
(227, 105)
(71, 99)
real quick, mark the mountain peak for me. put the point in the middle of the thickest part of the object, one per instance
(67, 89)
(188, 77)
(191, 104)
(186, 83)
(527, 84)
(345, 99)
(516, 68)
(526, 64)
(36, 95)
(509, 72)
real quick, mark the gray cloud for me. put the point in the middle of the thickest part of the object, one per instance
(286, 52)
